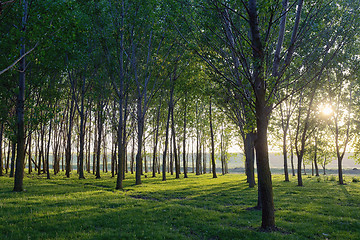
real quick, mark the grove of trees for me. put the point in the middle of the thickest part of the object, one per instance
(150, 87)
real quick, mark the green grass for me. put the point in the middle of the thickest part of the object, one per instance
(195, 208)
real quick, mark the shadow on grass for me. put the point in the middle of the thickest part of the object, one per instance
(195, 208)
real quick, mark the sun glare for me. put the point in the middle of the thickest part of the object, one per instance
(326, 110)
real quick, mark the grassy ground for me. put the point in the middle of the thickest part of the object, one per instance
(195, 208)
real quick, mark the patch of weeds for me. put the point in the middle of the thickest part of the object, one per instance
(354, 179)
(332, 178)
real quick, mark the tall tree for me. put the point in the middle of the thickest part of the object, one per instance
(19, 172)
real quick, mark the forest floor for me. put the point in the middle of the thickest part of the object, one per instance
(199, 207)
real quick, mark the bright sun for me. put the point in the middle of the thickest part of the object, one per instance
(326, 110)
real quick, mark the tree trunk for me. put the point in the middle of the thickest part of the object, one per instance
(286, 171)
(265, 183)
(340, 172)
(48, 152)
(99, 141)
(171, 163)
(114, 136)
(138, 169)
(222, 152)
(292, 155)
(184, 142)
(166, 138)
(12, 161)
(8, 158)
(119, 180)
(198, 154)
(82, 132)
(299, 177)
(95, 143)
(144, 158)
(132, 154)
(212, 143)
(177, 165)
(39, 158)
(315, 159)
(192, 156)
(204, 159)
(156, 138)
(250, 158)
(1, 150)
(68, 143)
(20, 133)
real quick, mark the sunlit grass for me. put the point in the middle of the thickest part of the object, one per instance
(195, 208)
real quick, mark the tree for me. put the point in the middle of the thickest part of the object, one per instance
(267, 59)
(19, 172)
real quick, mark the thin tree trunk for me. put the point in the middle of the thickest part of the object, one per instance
(99, 140)
(156, 138)
(1, 150)
(291, 155)
(88, 144)
(95, 143)
(48, 152)
(204, 159)
(8, 157)
(138, 169)
(20, 133)
(250, 158)
(286, 171)
(68, 145)
(166, 138)
(177, 165)
(132, 154)
(82, 132)
(315, 159)
(184, 141)
(171, 158)
(212, 142)
(12, 161)
(222, 157)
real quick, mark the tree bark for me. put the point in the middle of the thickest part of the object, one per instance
(20, 133)
(315, 159)
(119, 180)
(95, 143)
(82, 131)
(99, 137)
(12, 160)
(138, 169)
(8, 158)
(177, 165)
(1, 150)
(68, 143)
(286, 171)
(48, 152)
(212, 142)
(184, 141)
(166, 137)
(156, 138)
(249, 158)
